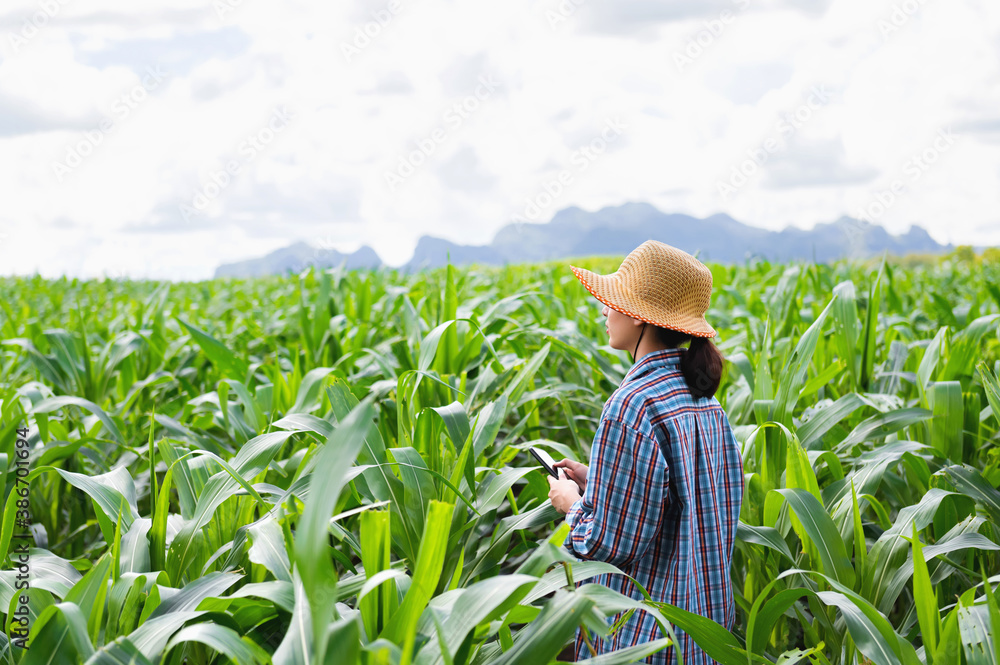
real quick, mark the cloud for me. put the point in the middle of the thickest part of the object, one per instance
(746, 84)
(167, 218)
(140, 16)
(462, 76)
(463, 172)
(24, 116)
(181, 52)
(987, 128)
(814, 164)
(629, 17)
(557, 87)
(393, 83)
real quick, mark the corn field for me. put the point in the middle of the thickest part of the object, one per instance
(331, 467)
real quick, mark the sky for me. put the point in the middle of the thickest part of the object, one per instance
(161, 139)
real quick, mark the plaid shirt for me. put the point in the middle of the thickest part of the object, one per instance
(659, 505)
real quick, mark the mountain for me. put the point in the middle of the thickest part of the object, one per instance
(617, 231)
(295, 258)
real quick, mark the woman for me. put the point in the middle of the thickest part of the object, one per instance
(662, 497)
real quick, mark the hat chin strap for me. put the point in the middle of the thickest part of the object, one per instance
(638, 340)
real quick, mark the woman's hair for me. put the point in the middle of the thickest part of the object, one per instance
(701, 363)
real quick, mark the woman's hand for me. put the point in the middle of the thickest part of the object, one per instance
(574, 471)
(563, 493)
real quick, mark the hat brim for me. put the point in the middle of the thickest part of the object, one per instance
(610, 291)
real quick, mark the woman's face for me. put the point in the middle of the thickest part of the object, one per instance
(622, 329)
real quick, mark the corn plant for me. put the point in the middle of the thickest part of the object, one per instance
(329, 467)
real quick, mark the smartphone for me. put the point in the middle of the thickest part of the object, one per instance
(545, 460)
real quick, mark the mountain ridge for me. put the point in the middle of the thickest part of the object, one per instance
(617, 230)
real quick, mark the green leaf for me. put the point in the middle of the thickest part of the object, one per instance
(823, 420)
(629, 655)
(430, 562)
(488, 422)
(296, 647)
(870, 331)
(925, 597)
(791, 379)
(860, 545)
(134, 555)
(949, 647)
(930, 359)
(489, 556)
(253, 457)
(992, 388)
(158, 529)
(542, 639)
(224, 359)
(254, 416)
(845, 321)
(188, 598)
(888, 552)
(765, 536)
(309, 389)
(49, 572)
(493, 493)
(478, 604)
(268, 548)
(89, 593)
(819, 528)
(154, 632)
(429, 345)
(870, 630)
(947, 436)
(519, 384)
(882, 425)
(720, 644)
(119, 652)
(417, 484)
(376, 549)
(223, 640)
(311, 558)
(111, 492)
(869, 640)
(970, 482)
(766, 612)
(343, 645)
(59, 635)
(56, 403)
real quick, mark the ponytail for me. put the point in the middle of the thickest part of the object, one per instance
(701, 365)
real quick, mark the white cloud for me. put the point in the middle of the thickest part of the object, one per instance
(368, 81)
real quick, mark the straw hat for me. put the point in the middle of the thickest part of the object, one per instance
(658, 284)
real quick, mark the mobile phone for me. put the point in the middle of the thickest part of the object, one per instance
(545, 460)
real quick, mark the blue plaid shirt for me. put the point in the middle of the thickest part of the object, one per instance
(660, 505)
